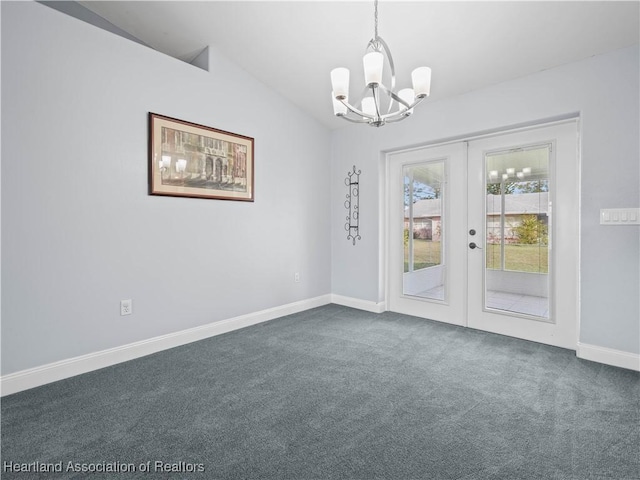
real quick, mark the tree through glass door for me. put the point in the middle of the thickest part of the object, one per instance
(517, 230)
(424, 230)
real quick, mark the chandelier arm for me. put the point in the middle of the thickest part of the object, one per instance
(416, 102)
(376, 102)
(398, 118)
(409, 106)
(401, 114)
(360, 113)
(353, 109)
(394, 96)
(352, 120)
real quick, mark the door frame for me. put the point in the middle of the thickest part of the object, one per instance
(384, 203)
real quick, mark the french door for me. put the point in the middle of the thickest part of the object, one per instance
(427, 245)
(484, 233)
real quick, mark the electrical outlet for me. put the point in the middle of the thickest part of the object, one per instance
(126, 307)
(296, 277)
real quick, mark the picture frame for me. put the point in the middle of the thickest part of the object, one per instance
(191, 160)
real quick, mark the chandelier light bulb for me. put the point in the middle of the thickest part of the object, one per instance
(340, 82)
(339, 108)
(373, 62)
(421, 78)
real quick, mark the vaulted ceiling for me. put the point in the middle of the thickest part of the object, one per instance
(292, 45)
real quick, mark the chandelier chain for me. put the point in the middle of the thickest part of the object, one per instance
(375, 17)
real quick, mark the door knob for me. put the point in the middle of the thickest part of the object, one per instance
(473, 245)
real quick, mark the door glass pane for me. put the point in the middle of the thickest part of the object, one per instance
(424, 269)
(517, 229)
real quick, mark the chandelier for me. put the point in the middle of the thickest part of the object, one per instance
(379, 104)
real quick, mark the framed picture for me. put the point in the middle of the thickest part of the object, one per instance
(189, 160)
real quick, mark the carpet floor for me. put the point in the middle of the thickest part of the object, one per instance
(334, 393)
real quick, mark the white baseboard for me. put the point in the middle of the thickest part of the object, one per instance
(52, 372)
(609, 356)
(357, 303)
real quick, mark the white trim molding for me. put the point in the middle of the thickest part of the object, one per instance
(52, 372)
(365, 305)
(608, 356)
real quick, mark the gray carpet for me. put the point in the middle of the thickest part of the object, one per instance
(336, 393)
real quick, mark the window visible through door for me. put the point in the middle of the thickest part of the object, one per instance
(517, 226)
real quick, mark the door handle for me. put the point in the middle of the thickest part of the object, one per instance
(473, 245)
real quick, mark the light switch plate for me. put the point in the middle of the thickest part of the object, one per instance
(620, 216)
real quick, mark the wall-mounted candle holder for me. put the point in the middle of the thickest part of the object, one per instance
(352, 204)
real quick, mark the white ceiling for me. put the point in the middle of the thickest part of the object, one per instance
(293, 45)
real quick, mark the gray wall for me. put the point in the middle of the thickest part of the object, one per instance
(80, 232)
(604, 91)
